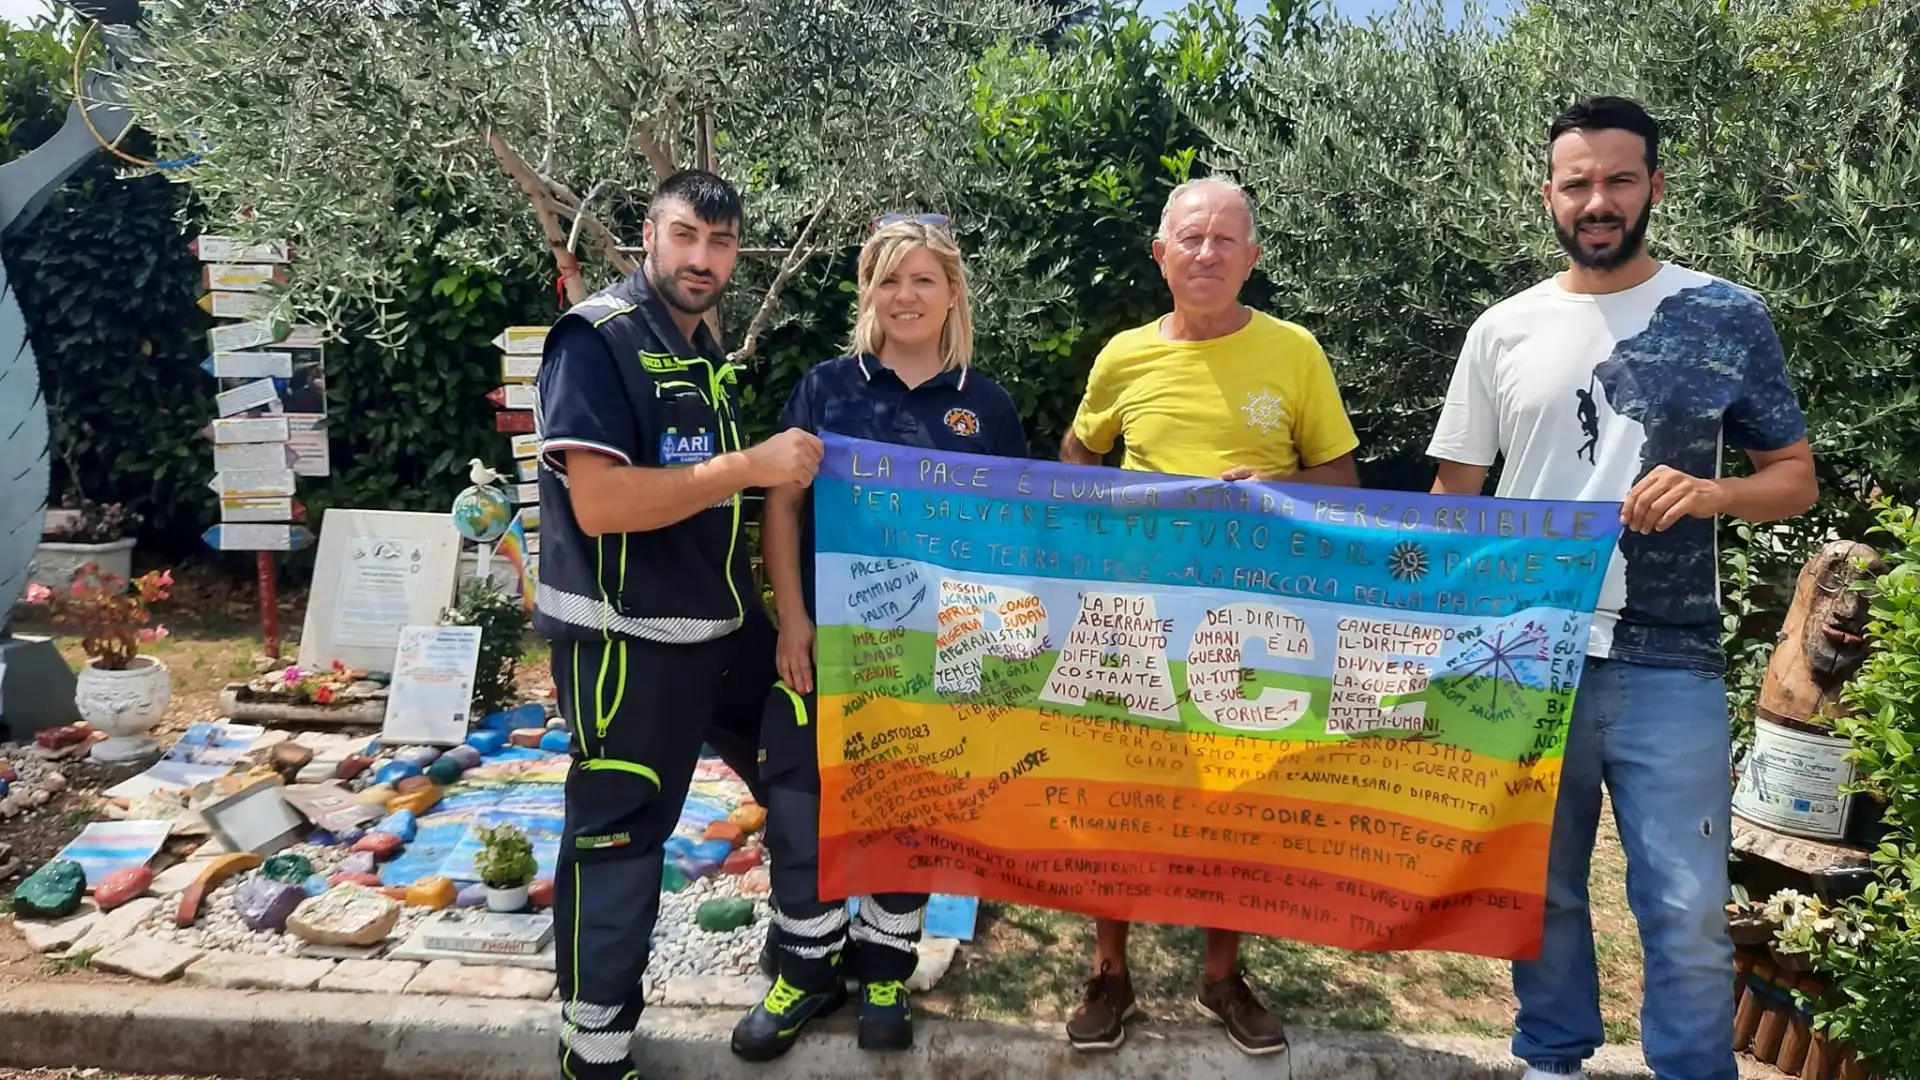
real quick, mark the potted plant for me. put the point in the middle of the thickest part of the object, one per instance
(506, 867)
(118, 691)
(83, 531)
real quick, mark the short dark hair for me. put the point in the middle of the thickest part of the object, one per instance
(712, 199)
(1608, 113)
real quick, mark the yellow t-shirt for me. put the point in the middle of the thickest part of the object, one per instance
(1263, 396)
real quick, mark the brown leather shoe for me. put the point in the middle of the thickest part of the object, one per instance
(1250, 1026)
(1100, 1023)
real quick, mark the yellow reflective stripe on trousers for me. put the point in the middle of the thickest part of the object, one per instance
(616, 765)
(799, 703)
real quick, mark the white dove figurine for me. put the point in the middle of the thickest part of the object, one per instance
(480, 474)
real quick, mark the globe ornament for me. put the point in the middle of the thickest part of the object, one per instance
(482, 514)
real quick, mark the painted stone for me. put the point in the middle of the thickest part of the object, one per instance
(724, 915)
(527, 737)
(264, 904)
(351, 835)
(540, 893)
(378, 795)
(421, 756)
(383, 846)
(750, 818)
(724, 830)
(360, 862)
(445, 771)
(556, 742)
(741, 861)
(322, 838)
(216, 873)
(466, 756)
(344, 916)
(433, 893)
(6, 772)
(487, 741)
(288, 868)
(416, 803)
(514, 719)
(289, 758)
(351, 766)
(672, 878)
(316, 884)
(121, 886)
(400, 823)
(370, 881)
(57, 738)
(471, 896)
(51, 892)
(395, 771)
(409, 785)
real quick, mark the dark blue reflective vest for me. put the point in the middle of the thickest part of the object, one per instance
(686, 583)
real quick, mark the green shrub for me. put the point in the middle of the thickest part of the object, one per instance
(1874, 961)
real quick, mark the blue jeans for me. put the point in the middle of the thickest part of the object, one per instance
(1657, 737)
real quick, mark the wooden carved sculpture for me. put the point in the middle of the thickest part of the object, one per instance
(1823, 641)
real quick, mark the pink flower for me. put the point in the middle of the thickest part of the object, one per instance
(79, 589)
(291, 675)
(38, 593)
(150, 634)
(166, 577)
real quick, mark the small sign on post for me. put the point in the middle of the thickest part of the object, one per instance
(232, 537)
(268, 370)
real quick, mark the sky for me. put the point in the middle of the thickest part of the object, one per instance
(21, 12)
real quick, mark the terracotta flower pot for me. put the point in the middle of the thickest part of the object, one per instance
(124, 704)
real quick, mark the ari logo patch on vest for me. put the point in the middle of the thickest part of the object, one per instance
(686, 449)
(962, 421)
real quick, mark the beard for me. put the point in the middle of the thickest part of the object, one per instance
(1633, 237)
(667, 287)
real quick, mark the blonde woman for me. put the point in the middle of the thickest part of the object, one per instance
(906, 381)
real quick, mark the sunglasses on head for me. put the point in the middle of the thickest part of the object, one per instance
(931, 221)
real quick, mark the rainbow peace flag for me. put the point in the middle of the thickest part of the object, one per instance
(1324, 714)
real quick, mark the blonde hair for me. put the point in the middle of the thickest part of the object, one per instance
(881, 256)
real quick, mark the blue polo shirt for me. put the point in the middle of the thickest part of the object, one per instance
(859, 397)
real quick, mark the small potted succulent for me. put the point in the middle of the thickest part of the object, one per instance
(83, 531)
(506, 867)
(118, 691)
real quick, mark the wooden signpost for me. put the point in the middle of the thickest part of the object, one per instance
(271, 407)
(516, 396)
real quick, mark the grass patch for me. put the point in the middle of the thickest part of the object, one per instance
(63, 964)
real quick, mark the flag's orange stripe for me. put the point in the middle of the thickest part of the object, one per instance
(1328, 838)
(1343, 912)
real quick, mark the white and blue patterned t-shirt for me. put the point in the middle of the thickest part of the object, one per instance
(1584, 394)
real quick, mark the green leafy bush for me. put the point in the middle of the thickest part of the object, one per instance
(503, 630)
(1874, 961)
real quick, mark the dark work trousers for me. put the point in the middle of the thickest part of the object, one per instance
(639, 713)
(879, 940)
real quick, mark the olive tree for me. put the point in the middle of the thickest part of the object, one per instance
(548, 121)
(1398, 168)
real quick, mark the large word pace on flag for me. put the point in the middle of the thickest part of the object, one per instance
(1324, 714)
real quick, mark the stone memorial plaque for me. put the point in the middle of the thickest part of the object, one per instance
(376, 573)
(488, 932)
(256, 819)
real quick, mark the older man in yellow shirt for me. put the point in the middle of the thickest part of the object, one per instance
(1213, 388)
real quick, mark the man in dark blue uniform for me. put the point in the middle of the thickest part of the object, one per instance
(659, 640)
